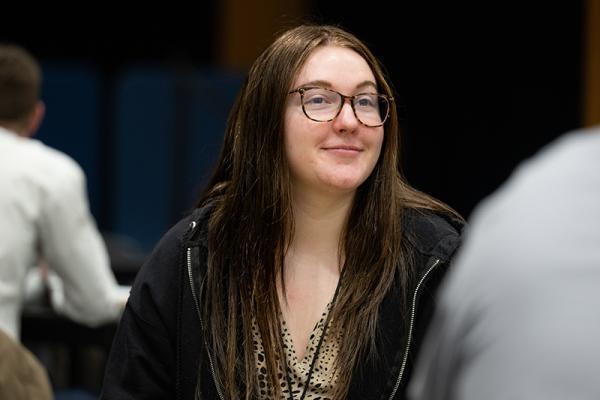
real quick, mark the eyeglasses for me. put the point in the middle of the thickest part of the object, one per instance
(323, 105)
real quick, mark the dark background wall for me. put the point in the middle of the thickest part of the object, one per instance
(480, 88)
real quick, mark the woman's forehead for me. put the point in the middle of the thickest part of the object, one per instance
(341, 67)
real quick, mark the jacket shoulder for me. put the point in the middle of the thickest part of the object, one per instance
(433, 234)
(197, 234)
(189, 230)
(157, 284)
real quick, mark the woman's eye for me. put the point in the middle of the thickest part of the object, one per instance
(316, 100)
(366, 101)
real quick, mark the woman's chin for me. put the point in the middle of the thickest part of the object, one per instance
(343, 184)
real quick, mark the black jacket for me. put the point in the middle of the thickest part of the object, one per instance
(158, 349)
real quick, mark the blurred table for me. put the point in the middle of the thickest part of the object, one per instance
(74, 354)
(41, 323)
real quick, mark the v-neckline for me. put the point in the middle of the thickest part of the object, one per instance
(312, 342)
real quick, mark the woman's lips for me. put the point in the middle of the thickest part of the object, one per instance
(343, 150)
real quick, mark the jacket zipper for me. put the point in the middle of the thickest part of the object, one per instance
(410, 330)
(411, 327)
(197, 304)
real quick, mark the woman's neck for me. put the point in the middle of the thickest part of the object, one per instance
(318, 226)
(312, 265)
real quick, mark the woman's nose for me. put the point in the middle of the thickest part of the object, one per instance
(346, 119)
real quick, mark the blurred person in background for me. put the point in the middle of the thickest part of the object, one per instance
(519, 315)
(44, 212)
(309, 269)
(22, 376)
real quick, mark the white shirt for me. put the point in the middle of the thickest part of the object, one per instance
(44, 212)
(519, 314)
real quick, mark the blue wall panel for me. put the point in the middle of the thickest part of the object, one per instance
(143, 154)
(71, 93)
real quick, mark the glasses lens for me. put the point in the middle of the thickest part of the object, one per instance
(321, 104)
(371, 109)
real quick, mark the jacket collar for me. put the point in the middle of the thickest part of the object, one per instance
(432, 234)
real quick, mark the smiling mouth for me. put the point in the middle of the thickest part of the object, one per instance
(343, 148)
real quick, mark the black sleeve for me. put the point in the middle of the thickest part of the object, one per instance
(142, 361)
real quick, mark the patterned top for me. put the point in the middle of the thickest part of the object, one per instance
(324, 377)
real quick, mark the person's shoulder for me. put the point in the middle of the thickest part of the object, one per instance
(565, 159)
(544, 185)
(432, 233)
(190, 230)
(539, 214)
(573, 144)
(197, 226)
(47, 173)
(50, 167)
(35, 155)
(49, 157)
(158, 275)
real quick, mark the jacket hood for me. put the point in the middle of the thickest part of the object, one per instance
(432, 233)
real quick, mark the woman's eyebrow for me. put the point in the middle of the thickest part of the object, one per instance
(317, 83)
(328, 84)
(366, 84)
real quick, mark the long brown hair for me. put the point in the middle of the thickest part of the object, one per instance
(252, 224)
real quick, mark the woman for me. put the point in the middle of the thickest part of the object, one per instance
(309, 268)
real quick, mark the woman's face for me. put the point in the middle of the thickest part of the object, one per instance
(332, 157)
